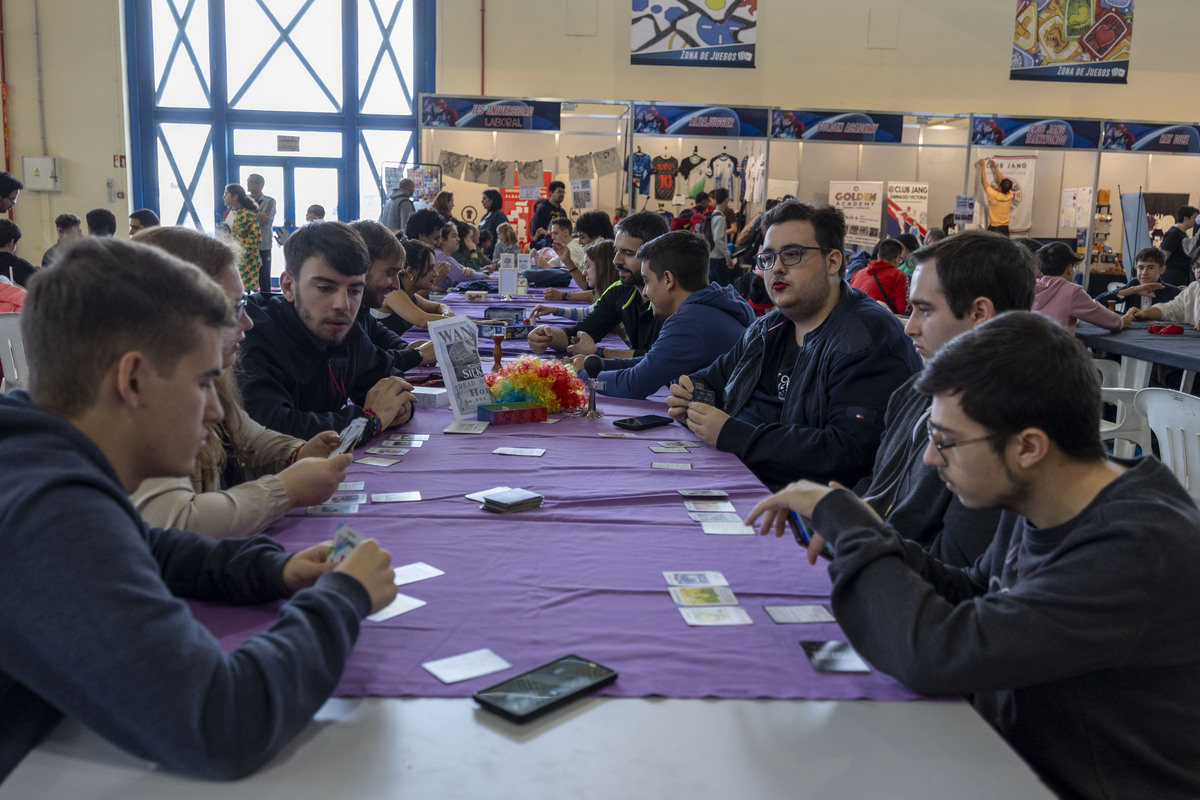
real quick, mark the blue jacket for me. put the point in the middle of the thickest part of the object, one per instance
(706, 325)
(94, 627)
(833, 414)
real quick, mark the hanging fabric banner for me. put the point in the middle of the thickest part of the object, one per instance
(491, 113)
(1074, 41)
(836, 126)
(687, 33)
(907, 209)
(862, 203)
(687, 120)
(1079, 134)
(1020, 170)
(1154, 138)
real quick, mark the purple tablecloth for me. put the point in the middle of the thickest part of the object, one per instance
(582, 574)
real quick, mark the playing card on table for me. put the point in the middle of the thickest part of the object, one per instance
(617, 435)
(719, 615)
(704, 578)
(387, 451)
(679, 444)
(333, 508)
(478, 496)
(703, 492)
(708, 505)
(411, 573)
(466, 666)
(465, 426)
(727, 528)
(410, 437)
(352, 486)
(346, 497)
(834, 657)
(714, 516)
(345, 540)
(703, 596)
(402, 604)
(670, 465)
(376, 461)
(401, 443)
(531, 452)
(794, 614)
(656, 448)
(395, 497)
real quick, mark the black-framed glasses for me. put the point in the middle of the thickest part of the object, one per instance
(788, 256)
(941, 446)
(239, 307)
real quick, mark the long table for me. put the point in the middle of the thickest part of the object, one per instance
(581, 574)
(1140, 350)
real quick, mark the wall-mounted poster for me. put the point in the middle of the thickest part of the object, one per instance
(694, 33)
(1077, 41)
(491, 113)
(1153, 138)
(907, 209)
(862, 203)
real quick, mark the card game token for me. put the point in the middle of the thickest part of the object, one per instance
(703, 596)
(333, 508)
(375, 461)
(395, 497)
(707, 578)
(708, 505)
(720, 615)
(786, 615)
(670, 465)
(703, 492)
(834, 657)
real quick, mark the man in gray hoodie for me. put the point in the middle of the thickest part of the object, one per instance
(398, 207)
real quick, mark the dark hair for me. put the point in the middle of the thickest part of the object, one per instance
(9, 232)
(596, 224)
(562, 222)
(555, 186)
(340, 244)
(418, 257)
(101, 222)
(1018, 371)
(682, 253)
(1152, 254)
(1006, 186)
(889, 250)
(496, 198)
(701, 200)
(975, 264)
(317, 211)
(464, 229)
(65, 221)
(1030, 244)
(212, 254)
(424, 222)
(244, 200)
(600, 253)
(9, 184)
(910, 241)
(1056, 258)
(828, 223)
(112, 292)
(720, 195)
(145, 216)
(1183, 213)
(643, 225)
(382, 244)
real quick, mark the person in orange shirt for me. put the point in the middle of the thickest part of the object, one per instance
(1000, 197)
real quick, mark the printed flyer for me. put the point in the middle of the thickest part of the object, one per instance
(862, 203)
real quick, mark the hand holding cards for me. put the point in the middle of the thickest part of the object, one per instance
(365, 561)
(350, 436)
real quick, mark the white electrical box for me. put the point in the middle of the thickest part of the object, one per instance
(41, 174)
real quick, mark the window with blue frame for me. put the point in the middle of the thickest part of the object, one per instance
(217, 84)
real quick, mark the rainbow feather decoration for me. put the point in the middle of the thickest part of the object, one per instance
(552, 384)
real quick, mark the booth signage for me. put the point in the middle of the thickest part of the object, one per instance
(907, 209)
(1075, 41)
(1151, 138)
(1058, 134)
(837, 126)
(683, 33)
(862, 204)
(490, 113)
(655, 119)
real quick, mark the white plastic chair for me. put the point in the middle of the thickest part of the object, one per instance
(12, 352)
(1130, 425)
(1175, 419)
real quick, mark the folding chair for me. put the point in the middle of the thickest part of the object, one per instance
(1175, 419)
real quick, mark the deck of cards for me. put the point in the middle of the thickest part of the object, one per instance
(507, 501)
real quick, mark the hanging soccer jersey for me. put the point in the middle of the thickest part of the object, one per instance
(693, 174)
(640, 164)
(722, 169)
(665, 169)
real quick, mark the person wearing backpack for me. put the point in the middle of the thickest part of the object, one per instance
(882, 279)
(713, 227)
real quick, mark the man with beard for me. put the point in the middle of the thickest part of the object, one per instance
(306, 366)
(620, 304)
(803, 394)
(387, 260)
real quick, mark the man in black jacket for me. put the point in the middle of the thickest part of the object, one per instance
(306, 364)
(387, 259)
(620, 304)
(804, 392)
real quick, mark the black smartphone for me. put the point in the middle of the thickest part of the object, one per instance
(533, 693)
(803, 537)
(642, 423)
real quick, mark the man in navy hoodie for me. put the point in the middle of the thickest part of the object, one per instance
(95, 624)
(700, 320)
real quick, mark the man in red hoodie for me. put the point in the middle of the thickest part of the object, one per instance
(883, 280)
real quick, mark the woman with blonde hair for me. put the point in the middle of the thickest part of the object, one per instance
(247, 476)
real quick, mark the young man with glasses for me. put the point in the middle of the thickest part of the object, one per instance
(803, 394)
(959, 283)
(1077, 634)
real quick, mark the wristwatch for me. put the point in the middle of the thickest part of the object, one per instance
(600, 352)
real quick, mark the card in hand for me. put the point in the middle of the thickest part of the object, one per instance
(345, 540)
(350, 436)
(703, 394)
